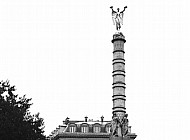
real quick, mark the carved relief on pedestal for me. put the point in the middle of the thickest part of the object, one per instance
(119, 126)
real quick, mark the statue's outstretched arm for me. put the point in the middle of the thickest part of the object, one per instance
(112, 9)
(123, 9)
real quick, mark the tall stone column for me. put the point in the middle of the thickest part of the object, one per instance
(120, 128)
(119, 109)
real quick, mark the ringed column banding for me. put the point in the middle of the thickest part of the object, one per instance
(118, 76)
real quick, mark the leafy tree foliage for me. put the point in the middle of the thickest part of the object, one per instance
(16, 122)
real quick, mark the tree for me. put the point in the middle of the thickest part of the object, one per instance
(16, 121)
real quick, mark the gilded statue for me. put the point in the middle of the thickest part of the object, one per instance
(117, 17)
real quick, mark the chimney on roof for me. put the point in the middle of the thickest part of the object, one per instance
(86, 118)
(66, 120)
(102, 119)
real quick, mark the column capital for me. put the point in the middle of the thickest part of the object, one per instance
(118, 36)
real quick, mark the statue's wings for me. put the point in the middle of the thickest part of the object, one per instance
(114, 16)
(121, 17)
(121, 14)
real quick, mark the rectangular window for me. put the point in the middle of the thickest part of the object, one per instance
(72, 129)
(96, 129)
(84, 129)
(108, 129)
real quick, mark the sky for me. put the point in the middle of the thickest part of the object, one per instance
(59, 53)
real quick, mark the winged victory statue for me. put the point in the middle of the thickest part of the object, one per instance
(117, 17)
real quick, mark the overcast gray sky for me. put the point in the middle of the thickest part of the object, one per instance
(59, 53)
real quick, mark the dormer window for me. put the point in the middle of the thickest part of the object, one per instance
(72, 128)
(96, 129)
(108, 128)
(84, 129)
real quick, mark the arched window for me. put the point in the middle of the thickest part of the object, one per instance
(72, 128)
(84, 128)
(108, 128)
(96, 128)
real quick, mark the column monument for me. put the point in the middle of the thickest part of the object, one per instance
(120, 130)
